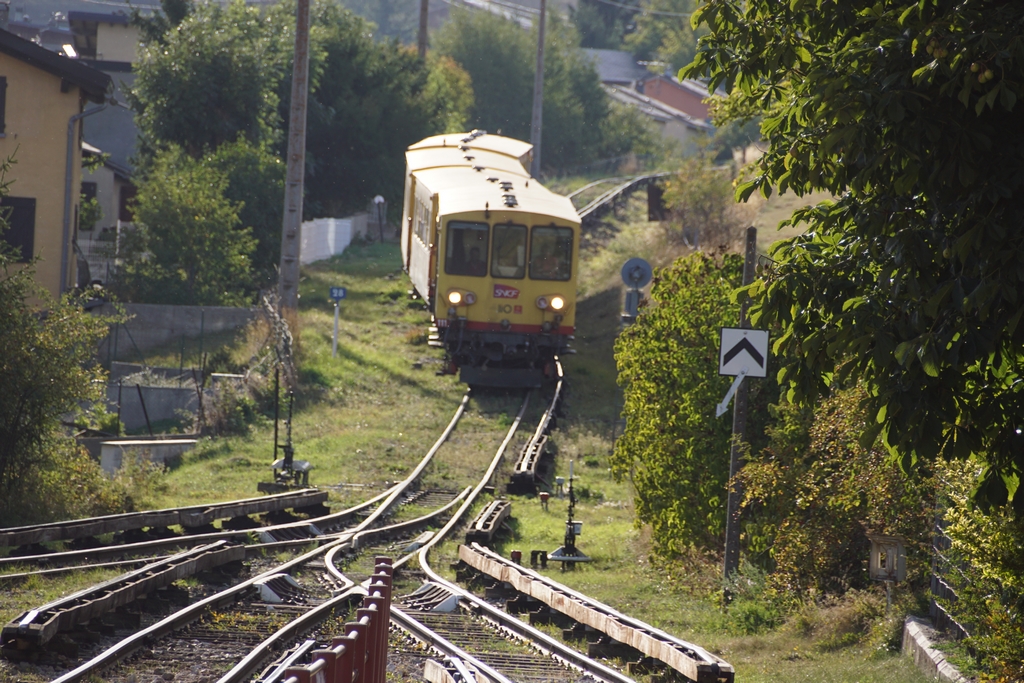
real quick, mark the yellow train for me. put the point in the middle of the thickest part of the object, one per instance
(494, 254)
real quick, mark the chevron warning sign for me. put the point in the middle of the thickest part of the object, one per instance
(739, 349)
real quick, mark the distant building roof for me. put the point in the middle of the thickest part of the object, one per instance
(97, 17)
(616, 67)
(659, 111)
(94, 83)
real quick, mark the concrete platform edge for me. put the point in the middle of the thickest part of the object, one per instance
(919, 642)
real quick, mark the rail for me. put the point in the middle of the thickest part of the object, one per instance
(192, 516)
(693, 661)
(40, 625)
(194, 611)
(598, 207)
(526, 472)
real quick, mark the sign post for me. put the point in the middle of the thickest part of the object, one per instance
(337, 293)
(744, 353)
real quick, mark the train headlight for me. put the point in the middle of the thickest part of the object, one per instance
(454, 298)
(557, 303)
(542, 302)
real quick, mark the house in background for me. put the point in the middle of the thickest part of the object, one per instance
(104, 37)
(676, 108)
(110, 43)
(686, 96)
(672, 123)
(43, 97)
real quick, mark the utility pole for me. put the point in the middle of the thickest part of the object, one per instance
(536, 122)
(291, 229)
(421, 42)
(739, 430)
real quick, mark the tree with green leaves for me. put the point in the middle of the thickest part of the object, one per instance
(674, 450)
(188, 247)
(910, 280)
(213, 78)
(661, 33)
(255, 184)
(580, 126)
(47, 369)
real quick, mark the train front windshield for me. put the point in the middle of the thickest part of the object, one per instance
(466, 249)
(551, 253)
(509, 258)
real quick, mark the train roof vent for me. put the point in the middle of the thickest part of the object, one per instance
(464, 148)
(469, 157)
(478, 169)
(474, 135)
(492, 179)
(506, 185)
(509, 199)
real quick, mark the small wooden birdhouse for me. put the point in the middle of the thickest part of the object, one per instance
(888, 558)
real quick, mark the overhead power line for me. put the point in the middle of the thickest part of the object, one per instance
(636, 8)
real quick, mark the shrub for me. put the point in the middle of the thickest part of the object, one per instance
(986, 550)
(813, 494)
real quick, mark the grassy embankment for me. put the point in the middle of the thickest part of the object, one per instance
(365, 417)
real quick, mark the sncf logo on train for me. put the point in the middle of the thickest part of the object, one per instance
(505, 292)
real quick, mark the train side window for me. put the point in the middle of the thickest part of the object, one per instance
(551, 253)
(466, 249)
(422, 213)
(509, 256)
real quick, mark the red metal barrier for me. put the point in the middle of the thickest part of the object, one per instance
(360, 654)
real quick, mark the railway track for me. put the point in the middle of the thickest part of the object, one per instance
(448, 632)
(244, 602)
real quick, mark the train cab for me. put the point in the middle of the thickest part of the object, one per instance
(495, 255)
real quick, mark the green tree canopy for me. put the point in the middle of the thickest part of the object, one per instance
(188, 247)
(662, 33)
(370, 101)
(46, 369)
(579, 124)
(907, 113)
(212, 78)
(674, 449)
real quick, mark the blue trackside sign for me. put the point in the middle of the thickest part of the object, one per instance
(338, 293)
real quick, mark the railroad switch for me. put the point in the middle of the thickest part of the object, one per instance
(289, 473)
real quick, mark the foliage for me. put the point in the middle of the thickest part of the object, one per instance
(45, 370)
(703, 213)
(599, 24)
(255, 184)
(396, 19)
(370, 101)
(579, 125)
(662, 37)
(157, 26)
(450, 90)
(212, 78)
(813, 494)
(188, 247)
(498, 56)
(673, 448)
(906, 112)
(89, 212)
(987, 570)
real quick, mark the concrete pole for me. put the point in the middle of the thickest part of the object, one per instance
(421, 42)
(536, 122)
(739, 430)
(291, 229)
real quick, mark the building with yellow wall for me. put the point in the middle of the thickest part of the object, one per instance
(43, 97)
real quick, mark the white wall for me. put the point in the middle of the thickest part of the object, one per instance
(326, 237)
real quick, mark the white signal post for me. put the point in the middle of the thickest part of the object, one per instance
(337, 293)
